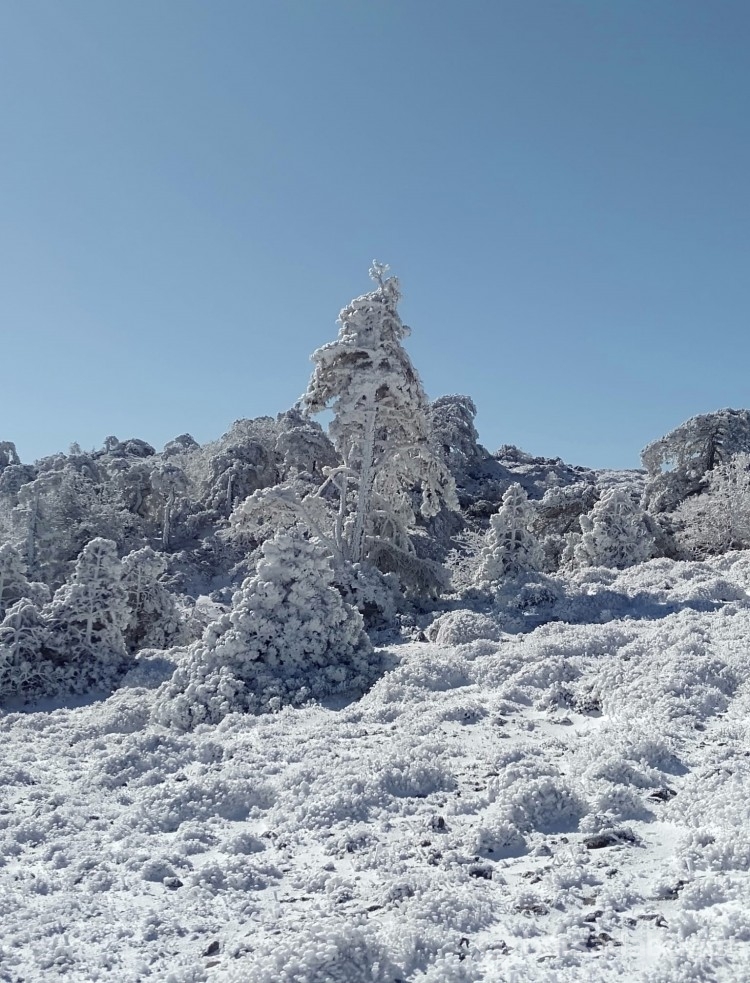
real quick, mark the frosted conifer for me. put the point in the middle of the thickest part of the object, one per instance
(289, 637)
(511, 547)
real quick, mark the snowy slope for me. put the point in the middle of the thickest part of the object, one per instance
(570, 804)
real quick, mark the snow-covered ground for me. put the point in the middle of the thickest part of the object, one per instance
(570, 804)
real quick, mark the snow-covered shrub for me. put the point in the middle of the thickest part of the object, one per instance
(460, 627)
(511, 547)
(542, 592)
(303, 444)
(24, 668)
(289, 637)
(419, 576)
(374, 594)
(416, 774)
(718, 519)
(13, 582)
(154, 618)
(677, 462)
(75, 643)
(87, 618)
(615, 534)
(557, 517)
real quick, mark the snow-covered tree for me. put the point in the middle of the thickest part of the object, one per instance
(511, 547)
(8, 454)
(185, 443)
(614, 534)
(25, 667)
(557, 516)
(303, 444)
(454, 430)
(36, 520)
(154, 618)
(13, 582)
(718, 519)
(12, 480)
(381, 425)
(289, 637)
(88, 616)
(169, 485)
(243, 460)
(677, 462)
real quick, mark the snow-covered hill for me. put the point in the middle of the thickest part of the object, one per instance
(568, 804)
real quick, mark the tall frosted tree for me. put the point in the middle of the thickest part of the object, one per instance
(381, 425)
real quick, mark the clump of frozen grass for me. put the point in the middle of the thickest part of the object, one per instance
(450, 968)
(461, 627)
(618, 803)
(165, 807)
(289, 638)
(331, 951)
(546, 804)
(686, 966)
(415, 776)
(413, 680)
(715, 849)
(496, 837)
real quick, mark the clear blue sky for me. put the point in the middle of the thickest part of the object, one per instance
(190, 191)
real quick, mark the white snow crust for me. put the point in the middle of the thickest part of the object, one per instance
(563, 805)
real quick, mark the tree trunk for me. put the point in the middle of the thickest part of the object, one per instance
(366, 482)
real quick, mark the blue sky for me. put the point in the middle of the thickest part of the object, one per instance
(190, 191)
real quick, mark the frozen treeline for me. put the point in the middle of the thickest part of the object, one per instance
(394, 517)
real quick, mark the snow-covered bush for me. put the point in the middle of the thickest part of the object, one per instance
(614, 534)
(374, 594)
(87, 618)
(24, 669)
(289, 637)
(243, 460)
(557, 516)
(496, 836)
(75, 643)
(154, 619)
(718, 519)
(511, 547)
(303, 444)
(13, 582)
